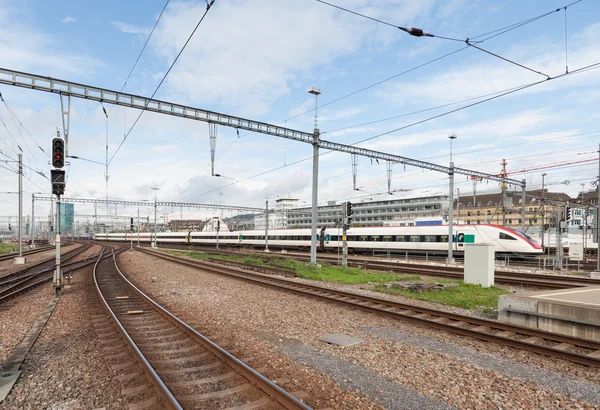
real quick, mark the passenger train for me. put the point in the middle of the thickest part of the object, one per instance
(415, 239)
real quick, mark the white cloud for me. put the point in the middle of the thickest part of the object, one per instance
(24, 47)
(68, 19)
(478, 76)
(265, 48)
(129, 28)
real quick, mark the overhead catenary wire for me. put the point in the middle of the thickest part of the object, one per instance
(142, 50)
(490, 35)
(208, 7)
(412, 31)
(20, 123)
(578, 71)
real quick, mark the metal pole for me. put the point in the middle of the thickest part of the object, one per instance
(585, 211)
(58, 272)
(523, 200)
(450, 259)
(267, 226)
(155, 210)
(543, 214)
(315, 189)
(558, 246)
(503, 186)
(598, 216)
(20, 205)
(457, 205)
(33, 220)
(138, 226)
(218, 227)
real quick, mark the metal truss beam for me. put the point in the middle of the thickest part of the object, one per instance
(67, 88)
(334, 146)
(124, 217)
(151, 204)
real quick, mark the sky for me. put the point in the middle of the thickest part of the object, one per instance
(257, 59)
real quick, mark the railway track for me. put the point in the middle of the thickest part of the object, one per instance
(26, 279)
(454, 272)
(502, 277)
(573, 349)
(12, 255)
(184, 368)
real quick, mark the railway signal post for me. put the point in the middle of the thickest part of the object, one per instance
(346, 221)
(57, 178)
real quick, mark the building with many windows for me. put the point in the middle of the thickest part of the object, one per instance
(489, 209)
(392, 212)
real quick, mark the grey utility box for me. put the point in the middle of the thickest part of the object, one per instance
(479, 264)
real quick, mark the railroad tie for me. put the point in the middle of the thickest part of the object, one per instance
(143, 404)
(564, 346)
(257, 404)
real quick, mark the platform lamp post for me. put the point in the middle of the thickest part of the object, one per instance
(315, 181)
(450, 259)
(154, 242)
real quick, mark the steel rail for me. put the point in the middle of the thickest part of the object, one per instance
(423, 316)
(273, 391)
(25, 253)
(6, 279)
(169, 401)
(6, 294)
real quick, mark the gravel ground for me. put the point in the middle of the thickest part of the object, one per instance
(65, 369)
(18, 315)
(286, 319)
(587, 391)
(8, 266)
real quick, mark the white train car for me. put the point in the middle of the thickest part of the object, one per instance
(417, 239)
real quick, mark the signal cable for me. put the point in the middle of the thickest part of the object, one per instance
(208, 7)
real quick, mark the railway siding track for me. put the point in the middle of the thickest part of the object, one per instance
(182, 366)
(18, 282)
(573, 349)
(12, 255)
(452, 272)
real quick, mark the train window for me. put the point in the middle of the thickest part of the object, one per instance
(505, 236)
(375, 238)
(415, 238)
(363, 238)
(443, 238)
(388, 238)
(429, 238)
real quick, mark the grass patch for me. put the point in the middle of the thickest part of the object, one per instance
(325, 273)
(6, 248)
(465, 296)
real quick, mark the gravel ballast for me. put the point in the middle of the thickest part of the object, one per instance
(242, 314)
(65, 368)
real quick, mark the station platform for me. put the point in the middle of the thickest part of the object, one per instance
(573, 312)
